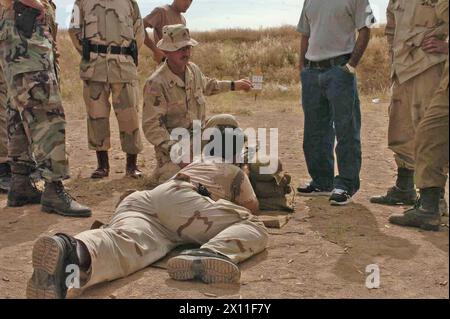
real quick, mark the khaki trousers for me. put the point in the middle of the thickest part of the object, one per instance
(409, 102)
(149, 224)
(432, 144)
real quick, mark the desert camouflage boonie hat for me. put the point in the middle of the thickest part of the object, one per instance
(175, 37)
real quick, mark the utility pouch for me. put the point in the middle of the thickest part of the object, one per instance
(26, 18)
(134, 52)
(86, 49)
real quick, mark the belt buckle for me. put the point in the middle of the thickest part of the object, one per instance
(108, 49)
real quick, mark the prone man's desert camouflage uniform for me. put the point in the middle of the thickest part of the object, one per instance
(109, 23)
(36, 115)
(147, 225)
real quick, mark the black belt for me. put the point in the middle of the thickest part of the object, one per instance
(98, 48)
(326, 64)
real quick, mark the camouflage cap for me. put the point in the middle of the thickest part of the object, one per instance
(175, 37)
(224, 120)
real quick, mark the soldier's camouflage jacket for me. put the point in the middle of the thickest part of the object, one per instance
(27, 55)
(409, 22)
(109, 23)
(170, 102)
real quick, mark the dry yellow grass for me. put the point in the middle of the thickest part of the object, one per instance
(238, 53)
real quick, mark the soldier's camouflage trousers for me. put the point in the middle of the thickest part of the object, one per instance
(3, 120)
(125, 104)
(148, 225)
(36, 124)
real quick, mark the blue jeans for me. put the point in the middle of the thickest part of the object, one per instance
(332, 111)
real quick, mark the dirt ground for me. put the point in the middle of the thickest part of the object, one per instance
(321, 253)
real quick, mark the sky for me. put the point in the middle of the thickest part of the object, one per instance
(206, 15)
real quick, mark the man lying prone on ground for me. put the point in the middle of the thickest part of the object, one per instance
(206, 203)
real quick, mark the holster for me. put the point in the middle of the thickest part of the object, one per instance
(134, 52)
(202, 190)
(86, 50)
(25, 19)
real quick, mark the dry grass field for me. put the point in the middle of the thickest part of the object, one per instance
(322, 252)
(237, 53)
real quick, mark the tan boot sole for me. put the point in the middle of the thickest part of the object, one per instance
(208, 269)
(46, 257)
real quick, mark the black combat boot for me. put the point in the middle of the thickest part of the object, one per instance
(22, 191)
(131, 168)
(5, 177)
(403, 193)
(102, 170)
(55, 199)
(425, 214)
(54, 258)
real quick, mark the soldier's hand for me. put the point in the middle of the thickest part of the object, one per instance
(243, 85)
(36, 4)
(158, 56)
(433, 45)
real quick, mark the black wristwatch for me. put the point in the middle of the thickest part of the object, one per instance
(233, 86)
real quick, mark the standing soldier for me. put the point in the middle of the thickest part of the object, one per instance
(174, 96)
(415, 75)
(5, 171)
(160, 17)
(108, 33)
(36, 115)
(431, 147)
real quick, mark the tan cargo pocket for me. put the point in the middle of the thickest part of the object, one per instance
(425, 16)
(126, 27)
(176, 110)
(90, 26)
